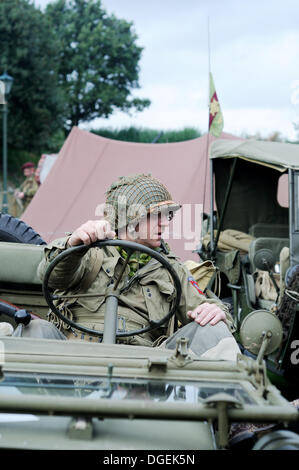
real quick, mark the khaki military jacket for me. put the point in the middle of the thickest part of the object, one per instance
(29, 188)
(150, 291)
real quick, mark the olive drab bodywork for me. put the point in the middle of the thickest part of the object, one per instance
(253, 238)
(58, 394)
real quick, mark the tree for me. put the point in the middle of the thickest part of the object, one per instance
(139, 134)
(28, 53)
(98, 60)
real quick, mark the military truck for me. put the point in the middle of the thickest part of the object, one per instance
(252, 235)
(72, 395)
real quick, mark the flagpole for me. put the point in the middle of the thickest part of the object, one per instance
(207, 149)
(209, 46)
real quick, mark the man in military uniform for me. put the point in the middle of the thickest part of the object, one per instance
(29, 187)
(137, 209)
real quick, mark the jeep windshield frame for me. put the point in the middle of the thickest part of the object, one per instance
(242, 384)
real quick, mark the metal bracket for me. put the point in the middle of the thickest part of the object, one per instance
(181, 355)
(106, 387)
(222, 401)
(80, 428)
(256, 369)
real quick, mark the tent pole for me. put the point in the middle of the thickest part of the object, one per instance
(229, 187)
(211, 161)
(212, 208)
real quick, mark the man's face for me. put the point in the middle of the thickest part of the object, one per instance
(149, 230)
(28, 171)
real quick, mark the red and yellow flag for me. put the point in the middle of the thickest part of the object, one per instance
(215, 117)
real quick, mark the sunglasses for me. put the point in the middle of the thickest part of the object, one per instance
(162, 211)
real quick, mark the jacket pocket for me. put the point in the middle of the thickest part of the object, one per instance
(95, 295)
(91, 304)
(158, 292)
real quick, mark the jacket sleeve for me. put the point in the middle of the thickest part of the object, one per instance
(70, 271)
(192, 296)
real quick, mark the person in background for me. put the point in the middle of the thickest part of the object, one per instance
(29, 186)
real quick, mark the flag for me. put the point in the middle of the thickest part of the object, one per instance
(215, 113)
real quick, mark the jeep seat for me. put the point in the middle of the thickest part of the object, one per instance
(262, 230)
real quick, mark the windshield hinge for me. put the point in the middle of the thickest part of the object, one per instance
(181, 355)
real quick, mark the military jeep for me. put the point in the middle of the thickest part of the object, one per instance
(72, 395)
(252, 235)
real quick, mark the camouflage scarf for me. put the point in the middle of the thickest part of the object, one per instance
(137, 260)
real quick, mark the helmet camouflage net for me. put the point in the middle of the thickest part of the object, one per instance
(132, 197)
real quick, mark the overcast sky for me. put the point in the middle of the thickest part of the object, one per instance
(254, 57)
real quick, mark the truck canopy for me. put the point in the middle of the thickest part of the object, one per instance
(255, 169)
(278, 155)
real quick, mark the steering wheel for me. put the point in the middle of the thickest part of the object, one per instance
(130, 246)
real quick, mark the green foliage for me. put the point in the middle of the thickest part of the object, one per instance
(71, 63)
(98, 60)
(28, 54)
(56, 142)
(16, 159)
(134, 134)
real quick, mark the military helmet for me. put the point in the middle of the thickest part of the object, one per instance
(132, 197)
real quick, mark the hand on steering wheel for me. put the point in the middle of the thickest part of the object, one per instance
(126, 245)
